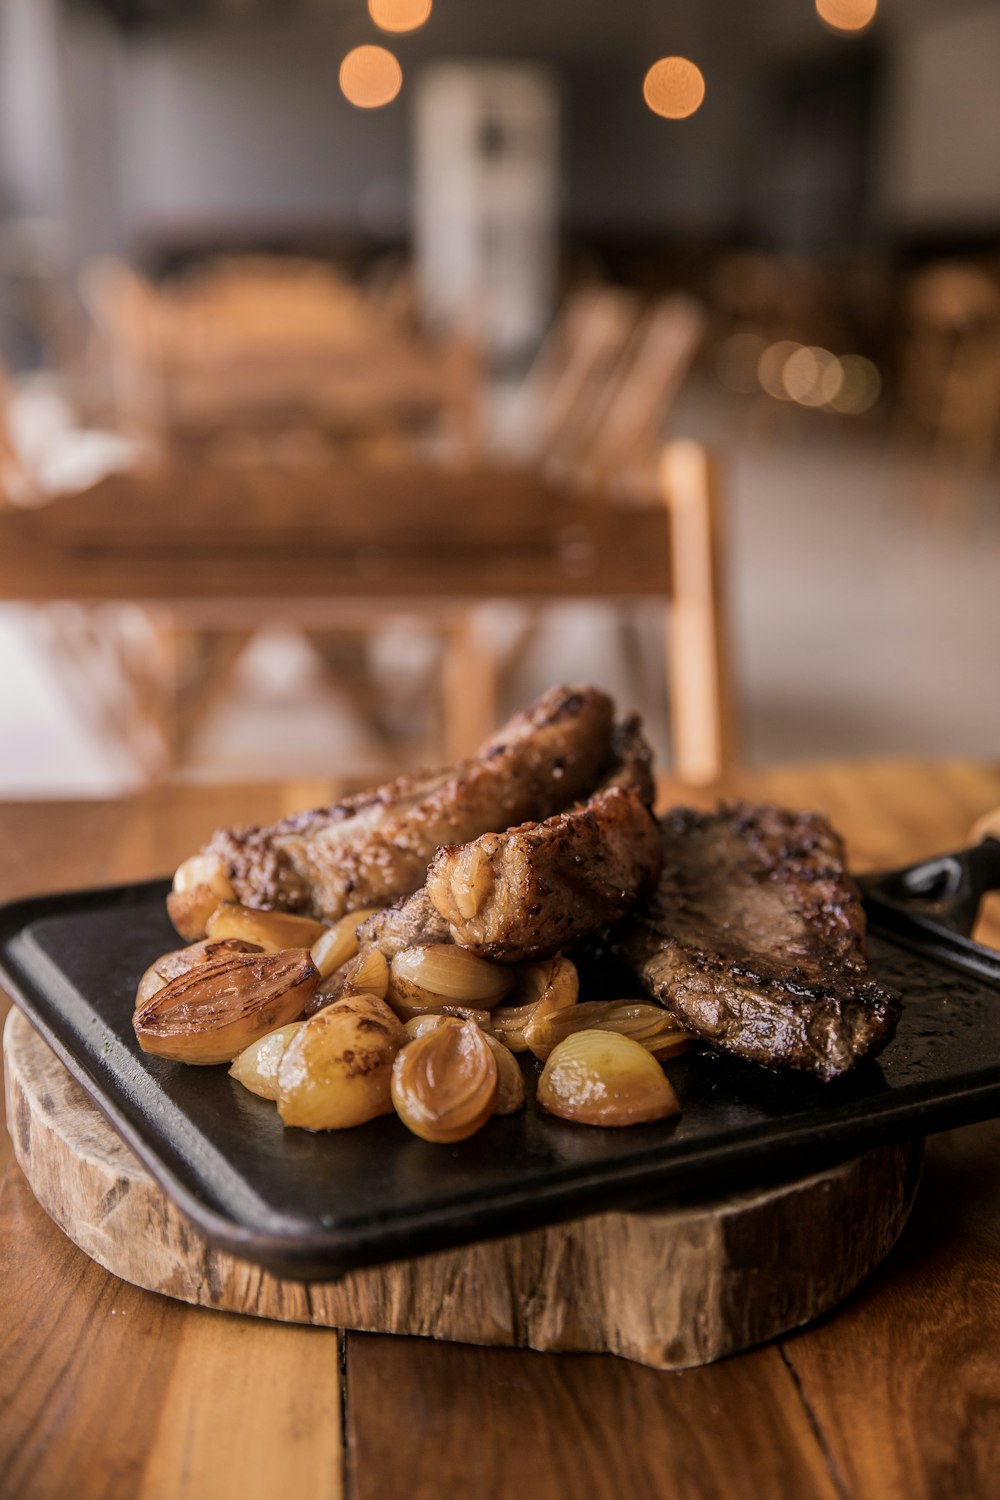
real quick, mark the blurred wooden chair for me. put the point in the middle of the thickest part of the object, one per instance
(949, 383)
(208, 553)
(576, 362)
(605, 384)
(621, 434)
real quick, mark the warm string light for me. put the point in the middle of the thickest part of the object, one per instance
(847, 15)
(399, 15)
(370, 77)
(674, 87)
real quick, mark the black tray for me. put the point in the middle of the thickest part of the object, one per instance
(315, 1206)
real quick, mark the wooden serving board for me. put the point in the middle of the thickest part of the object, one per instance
(672, 1287)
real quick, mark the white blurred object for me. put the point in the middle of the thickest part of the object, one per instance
(487, 196)
(59, 456)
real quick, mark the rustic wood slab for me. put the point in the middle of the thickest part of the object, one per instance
(671, 1288)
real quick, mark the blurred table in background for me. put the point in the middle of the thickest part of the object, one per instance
(106, 1390)
(255, 350)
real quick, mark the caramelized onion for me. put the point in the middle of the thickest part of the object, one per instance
(212, 1013)
(604, 1078)
(542, 988)
(444, 1085)
(257, 1065)
(336, 1070)
(650, 1025)
(272, 930)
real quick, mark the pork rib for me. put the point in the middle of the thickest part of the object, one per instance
(411, 923)
(754, 939)
(372, 849)
(539, 887)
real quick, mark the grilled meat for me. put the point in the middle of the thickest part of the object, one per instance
(631, 765)
(374, 848)
(409, 924)
(754, 939)
(539, 887)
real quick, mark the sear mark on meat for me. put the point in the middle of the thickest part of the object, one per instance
(533, 890)
(754, 939)
(372, 849)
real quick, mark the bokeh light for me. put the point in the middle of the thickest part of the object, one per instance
(674, 88)
(812, 376)
(860, 388)
(771, 368)
(847, 15)
(399, 15)
(370, 77)
(804, 372)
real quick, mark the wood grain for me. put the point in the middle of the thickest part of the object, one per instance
(672, 1287)
(82, 1394)
(496, 1424)
(109, 1391)
(906, 1383)
(249, 1409)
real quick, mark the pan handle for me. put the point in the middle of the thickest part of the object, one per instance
(948, 889)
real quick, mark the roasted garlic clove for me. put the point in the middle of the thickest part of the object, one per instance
(337, 1069)
(604, 1078)
(510, 1079)
(215, 1011)
(541, 989)
(271, 930)
(440, 974)
(444, 1085)
(181, 960)
(650, 1025)
(339, 943)
(200, 883)
(257, 1065)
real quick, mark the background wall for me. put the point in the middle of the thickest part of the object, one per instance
(231, 125)
(944, 151)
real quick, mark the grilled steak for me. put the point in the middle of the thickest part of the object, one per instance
(374, 848)
(754, 939)
(539, 887)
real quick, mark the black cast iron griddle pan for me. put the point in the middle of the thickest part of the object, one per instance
(315, 1206)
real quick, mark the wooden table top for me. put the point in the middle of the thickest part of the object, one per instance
(109, 1391)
